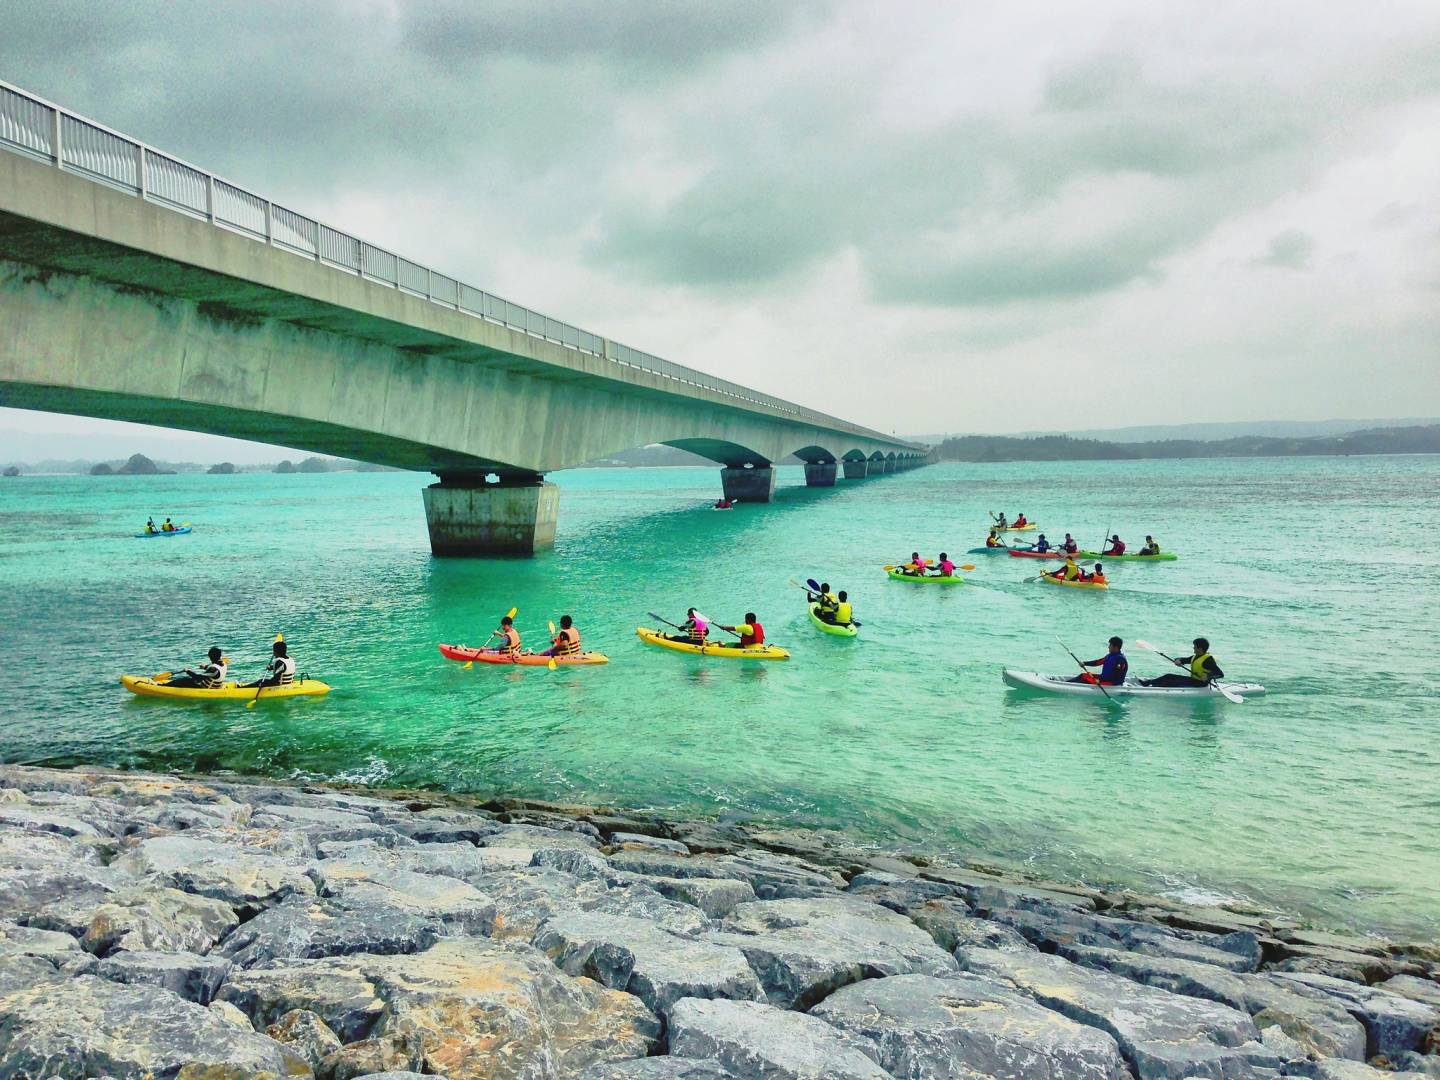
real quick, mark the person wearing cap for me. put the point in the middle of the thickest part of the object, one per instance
(208, 676)
(281, 669)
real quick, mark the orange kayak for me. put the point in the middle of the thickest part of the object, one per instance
(465, 653)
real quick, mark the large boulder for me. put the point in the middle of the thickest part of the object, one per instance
(88, 1027)
(658, 1068)
(771, 876)
(144, 918)
(526, 897)
(929, 1027)
(193, 977)
(755, 1040)
(715, 897)
(1163, 1036)
(481, 1008)
(1393, 1023)
(952, 927)
(657, 966)
(305, 1034)
(247, 881)
(805, 949)
(462, 908)
(306, 928)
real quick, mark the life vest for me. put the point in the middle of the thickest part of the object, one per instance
(512, 640)
(828, 602)
(1152, 548)
(991, 541)
(1117, 547)
(755, 637)
(1020, 521)
(1071, 571)
(567, 642)
(844, 612)
(1070, 547)
(212, 674)
(1197, 668)
(1098, 577)
(282, 668)
(947, 569)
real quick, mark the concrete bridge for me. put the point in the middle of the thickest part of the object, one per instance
(134, 286)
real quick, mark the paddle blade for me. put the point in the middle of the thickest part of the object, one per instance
(551, 625)
(968, 566)
(1230, 695)
(162, 675)
(251, 703)
(467, 665)
(887, 569)
(814, 585)
(1145, 645)
(552, 665)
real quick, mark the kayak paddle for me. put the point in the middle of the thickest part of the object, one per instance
(1048, 573)
(1229, 694)
(1082, 668)
(657, 618)
(551, 624)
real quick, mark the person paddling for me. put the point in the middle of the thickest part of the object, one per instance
(1151, 547)
(694, 629)
(844, 613)
(825, 599)
(1113, 666)
(169, 526)
(208, 676)
(945, 568)
(281, 669)
(993, 540)
(1203, 670)
(916, 566)
(1070, 547)
(750, 631)
(1117, 546)
(1020, 522)
(1000, 522)
(1042, 546)
(149, 525)
(1096, 575)
(1069, 572)
(509, 637)
(567, 641)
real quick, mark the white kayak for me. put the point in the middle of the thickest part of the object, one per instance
(1062, 684)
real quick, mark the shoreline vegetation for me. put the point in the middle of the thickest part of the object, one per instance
(170, 925)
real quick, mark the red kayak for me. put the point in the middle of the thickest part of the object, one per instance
(465, 653)
(1037, 554)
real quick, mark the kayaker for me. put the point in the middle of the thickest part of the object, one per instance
(207, 677)
(281, 669)
(1113, 666)
(844, 611)
(1117, 546)
(1096, 575)
(567, 641)
(993, 540)
(824, 598)
(1069, 572)
(1000, 522)
(695, 628)
(1151, 547)
(916, 566)
(1020, 522)
(750, 631)
(1070, 547)
(149, 525)
(1202, 666)
(1041, 545)
(509, 637)
(945, 568)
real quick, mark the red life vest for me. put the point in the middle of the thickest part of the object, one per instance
(757, 638)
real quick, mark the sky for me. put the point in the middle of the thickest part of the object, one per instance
(923, 217)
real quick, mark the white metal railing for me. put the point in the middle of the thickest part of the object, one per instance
(34, 127)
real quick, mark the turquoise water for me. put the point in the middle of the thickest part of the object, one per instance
(1317, 577)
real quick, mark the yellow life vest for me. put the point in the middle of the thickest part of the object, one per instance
(1071, 571)
(828, 602)
(843, 612)
(1197, 668)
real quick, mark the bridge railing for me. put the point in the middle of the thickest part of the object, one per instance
(39, 129)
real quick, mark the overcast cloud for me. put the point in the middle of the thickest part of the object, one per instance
(924, 217)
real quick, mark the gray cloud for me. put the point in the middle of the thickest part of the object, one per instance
(1289, 250)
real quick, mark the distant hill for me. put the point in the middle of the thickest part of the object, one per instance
(1216, 432)
(1423, 439)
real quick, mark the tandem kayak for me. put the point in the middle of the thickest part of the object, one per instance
(148, 687)
(1062, 684)
(838, 629)
(1036, 554)
(1015, 528)
(987, 551)
(1164, 556)
(180, 530)
(936, 579)
(1076, 584)
(465, 654)
(738, 652)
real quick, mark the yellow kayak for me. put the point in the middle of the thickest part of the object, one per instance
(1077, 583)
(753, 652)
(1015, 528)
(148, 687)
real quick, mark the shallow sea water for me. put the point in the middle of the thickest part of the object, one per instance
(1318, 577)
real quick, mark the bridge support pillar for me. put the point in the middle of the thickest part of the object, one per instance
(753, 485)
(855, 470)
(491, 519)
(820, 473)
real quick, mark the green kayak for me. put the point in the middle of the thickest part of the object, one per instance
(845, 630)
(1164, 556)
(954, 579)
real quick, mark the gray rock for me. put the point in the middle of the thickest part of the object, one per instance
(637, 956)
(755, 1040)
(18, 972)
(312, 815)
(526, 898)
(995, 892)
(385, 1053)
(659, 1068)
(535, 837)
(230, 1015)
(949, 923)
(771, 876)
(900, 893)
(640, 901)
(805, 949)
(1323, 1027)
(1392, 1023)
(248, 882)
(195, 978)
(569, 860)
(715, 897)
(928, 1027)
(1163, 1036)
(462, 908)
(90, 1027)
(481, 1008)
(1408, 1062)
(1284, 1047)
(642, 841)
(57, 948)
(397, 1076)
(1425, 991)
(304, 928)
(28, 884)
(464, 862)
(1336, 1069)
(304, 1033)
(154, 918)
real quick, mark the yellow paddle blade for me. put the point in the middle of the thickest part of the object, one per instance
(968, 566)
(161, 675)
(251, 703)
(511, 613)
(552, 665)
(551, 625)
(468, 664)
(887, 568)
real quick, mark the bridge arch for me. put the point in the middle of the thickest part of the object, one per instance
(815, 454)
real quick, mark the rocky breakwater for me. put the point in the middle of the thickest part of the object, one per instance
(212, 929)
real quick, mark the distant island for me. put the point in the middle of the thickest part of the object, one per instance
(137, 465)
(1423, 439)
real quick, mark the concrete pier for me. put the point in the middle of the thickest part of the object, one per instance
(820, 473)
(855, 470)
(506, 518)
(749, 485)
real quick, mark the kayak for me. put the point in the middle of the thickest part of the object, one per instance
(1077, 583)
(465, 653)
(1015, 528)
(953, 579)
(1061, 684)
(1164, 556)
(987, 551)
(846, 630)
(1036, 554)
(179, 530)
(738, 652)
(148, 687)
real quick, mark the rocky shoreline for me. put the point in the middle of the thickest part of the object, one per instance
(222, 929)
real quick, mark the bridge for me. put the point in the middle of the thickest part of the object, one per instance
(136, 286)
